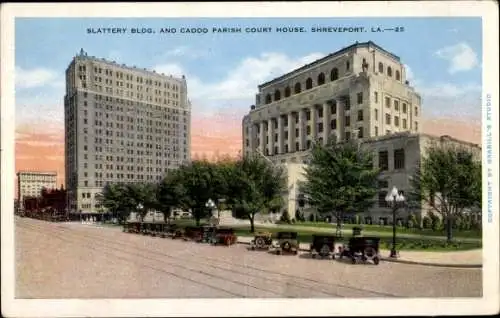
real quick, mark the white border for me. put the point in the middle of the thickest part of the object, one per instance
(489, 304)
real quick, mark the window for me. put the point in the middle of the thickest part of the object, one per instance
(320, 127)
(297, 88)
(287, 91)
(360, 132)
(404, 123)
(360, 98)
(376, 131)
(297, 146)
(347, 121)
(387, 119)
(347, 135)
(309, 83)
(321, 79)
(308, 115)
(416, 126)
(360, 115)
(334, 75)
(416, 111)
(404, 108)
(389, 71)
(347, 105)
(268, 98)
(333, 124)
(396, 121)
(387, 102)
(381, 68)
(398, 76)
(376, 114)
(296, 132)
(333, 107)
(375, 94)
(383, 184)
(399, 159)
(387, 132)
(308, 130)
(383, 160)
(277, 95)
(347, 66)
(381, 199)
(396, 105)
(308, 144)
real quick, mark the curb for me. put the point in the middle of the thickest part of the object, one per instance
(388, 259)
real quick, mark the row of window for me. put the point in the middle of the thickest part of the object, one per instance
(128, 77)
(297, 88)
(121, 176)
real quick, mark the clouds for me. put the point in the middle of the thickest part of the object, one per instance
(186, 52)
(239, 83)
(461, 57)
(37, 77)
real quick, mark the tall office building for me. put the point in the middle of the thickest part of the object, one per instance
(31, 183)
(122, 124)
(357, 92)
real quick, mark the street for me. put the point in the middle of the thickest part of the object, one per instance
(71, 260)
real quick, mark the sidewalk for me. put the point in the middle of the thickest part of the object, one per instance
(460, 259)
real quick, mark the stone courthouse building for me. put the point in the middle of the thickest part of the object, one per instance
(358, 92)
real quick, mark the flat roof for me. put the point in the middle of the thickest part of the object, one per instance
(348, 48)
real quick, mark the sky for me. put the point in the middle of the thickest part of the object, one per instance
(443, 57)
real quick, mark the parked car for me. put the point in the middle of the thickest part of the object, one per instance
(323, 246)
(262, 240)
(224, 236)
(286, 242)
(362, 248)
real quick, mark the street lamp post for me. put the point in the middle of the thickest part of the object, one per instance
(139, 208)
(395, 200)
(210, 205)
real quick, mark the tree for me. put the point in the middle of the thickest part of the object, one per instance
(170, 194)
(115, 199)
(142, 194)
(340, 178)
(448, 180)
(256, 185)
(199, 181)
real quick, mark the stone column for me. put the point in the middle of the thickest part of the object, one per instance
(262, 137)
(314, 123)
(270, 135)
(302, 129)
(326, 122)
(291, 132)
(251, 137)
(281, 135)
(340, 119)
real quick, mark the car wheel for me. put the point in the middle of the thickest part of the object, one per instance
(353, 260)
(376, 260)
(278, 252)
(313, 255)
(252, 248)
(295, 252)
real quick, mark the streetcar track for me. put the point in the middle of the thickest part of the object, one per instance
(225, 279)
(302, 285)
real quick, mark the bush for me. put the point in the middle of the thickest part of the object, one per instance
(412, 221)
(285, 217)
(293, 221)
(311, 217)
(427, 222)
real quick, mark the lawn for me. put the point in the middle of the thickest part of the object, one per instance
(388, 229)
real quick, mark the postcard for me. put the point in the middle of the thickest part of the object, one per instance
(249, 159)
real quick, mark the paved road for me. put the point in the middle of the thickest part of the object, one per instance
(81, 261)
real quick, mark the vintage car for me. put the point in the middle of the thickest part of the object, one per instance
(323, 246)
(132, 227)
(362, 248)
(207, 233)
(223, 236)
(193, 233)
(262, 240)
(286, 242)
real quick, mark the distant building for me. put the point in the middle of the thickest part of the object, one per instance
(360, 92)
(398, 156)
(31, 183)
(122, 125)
